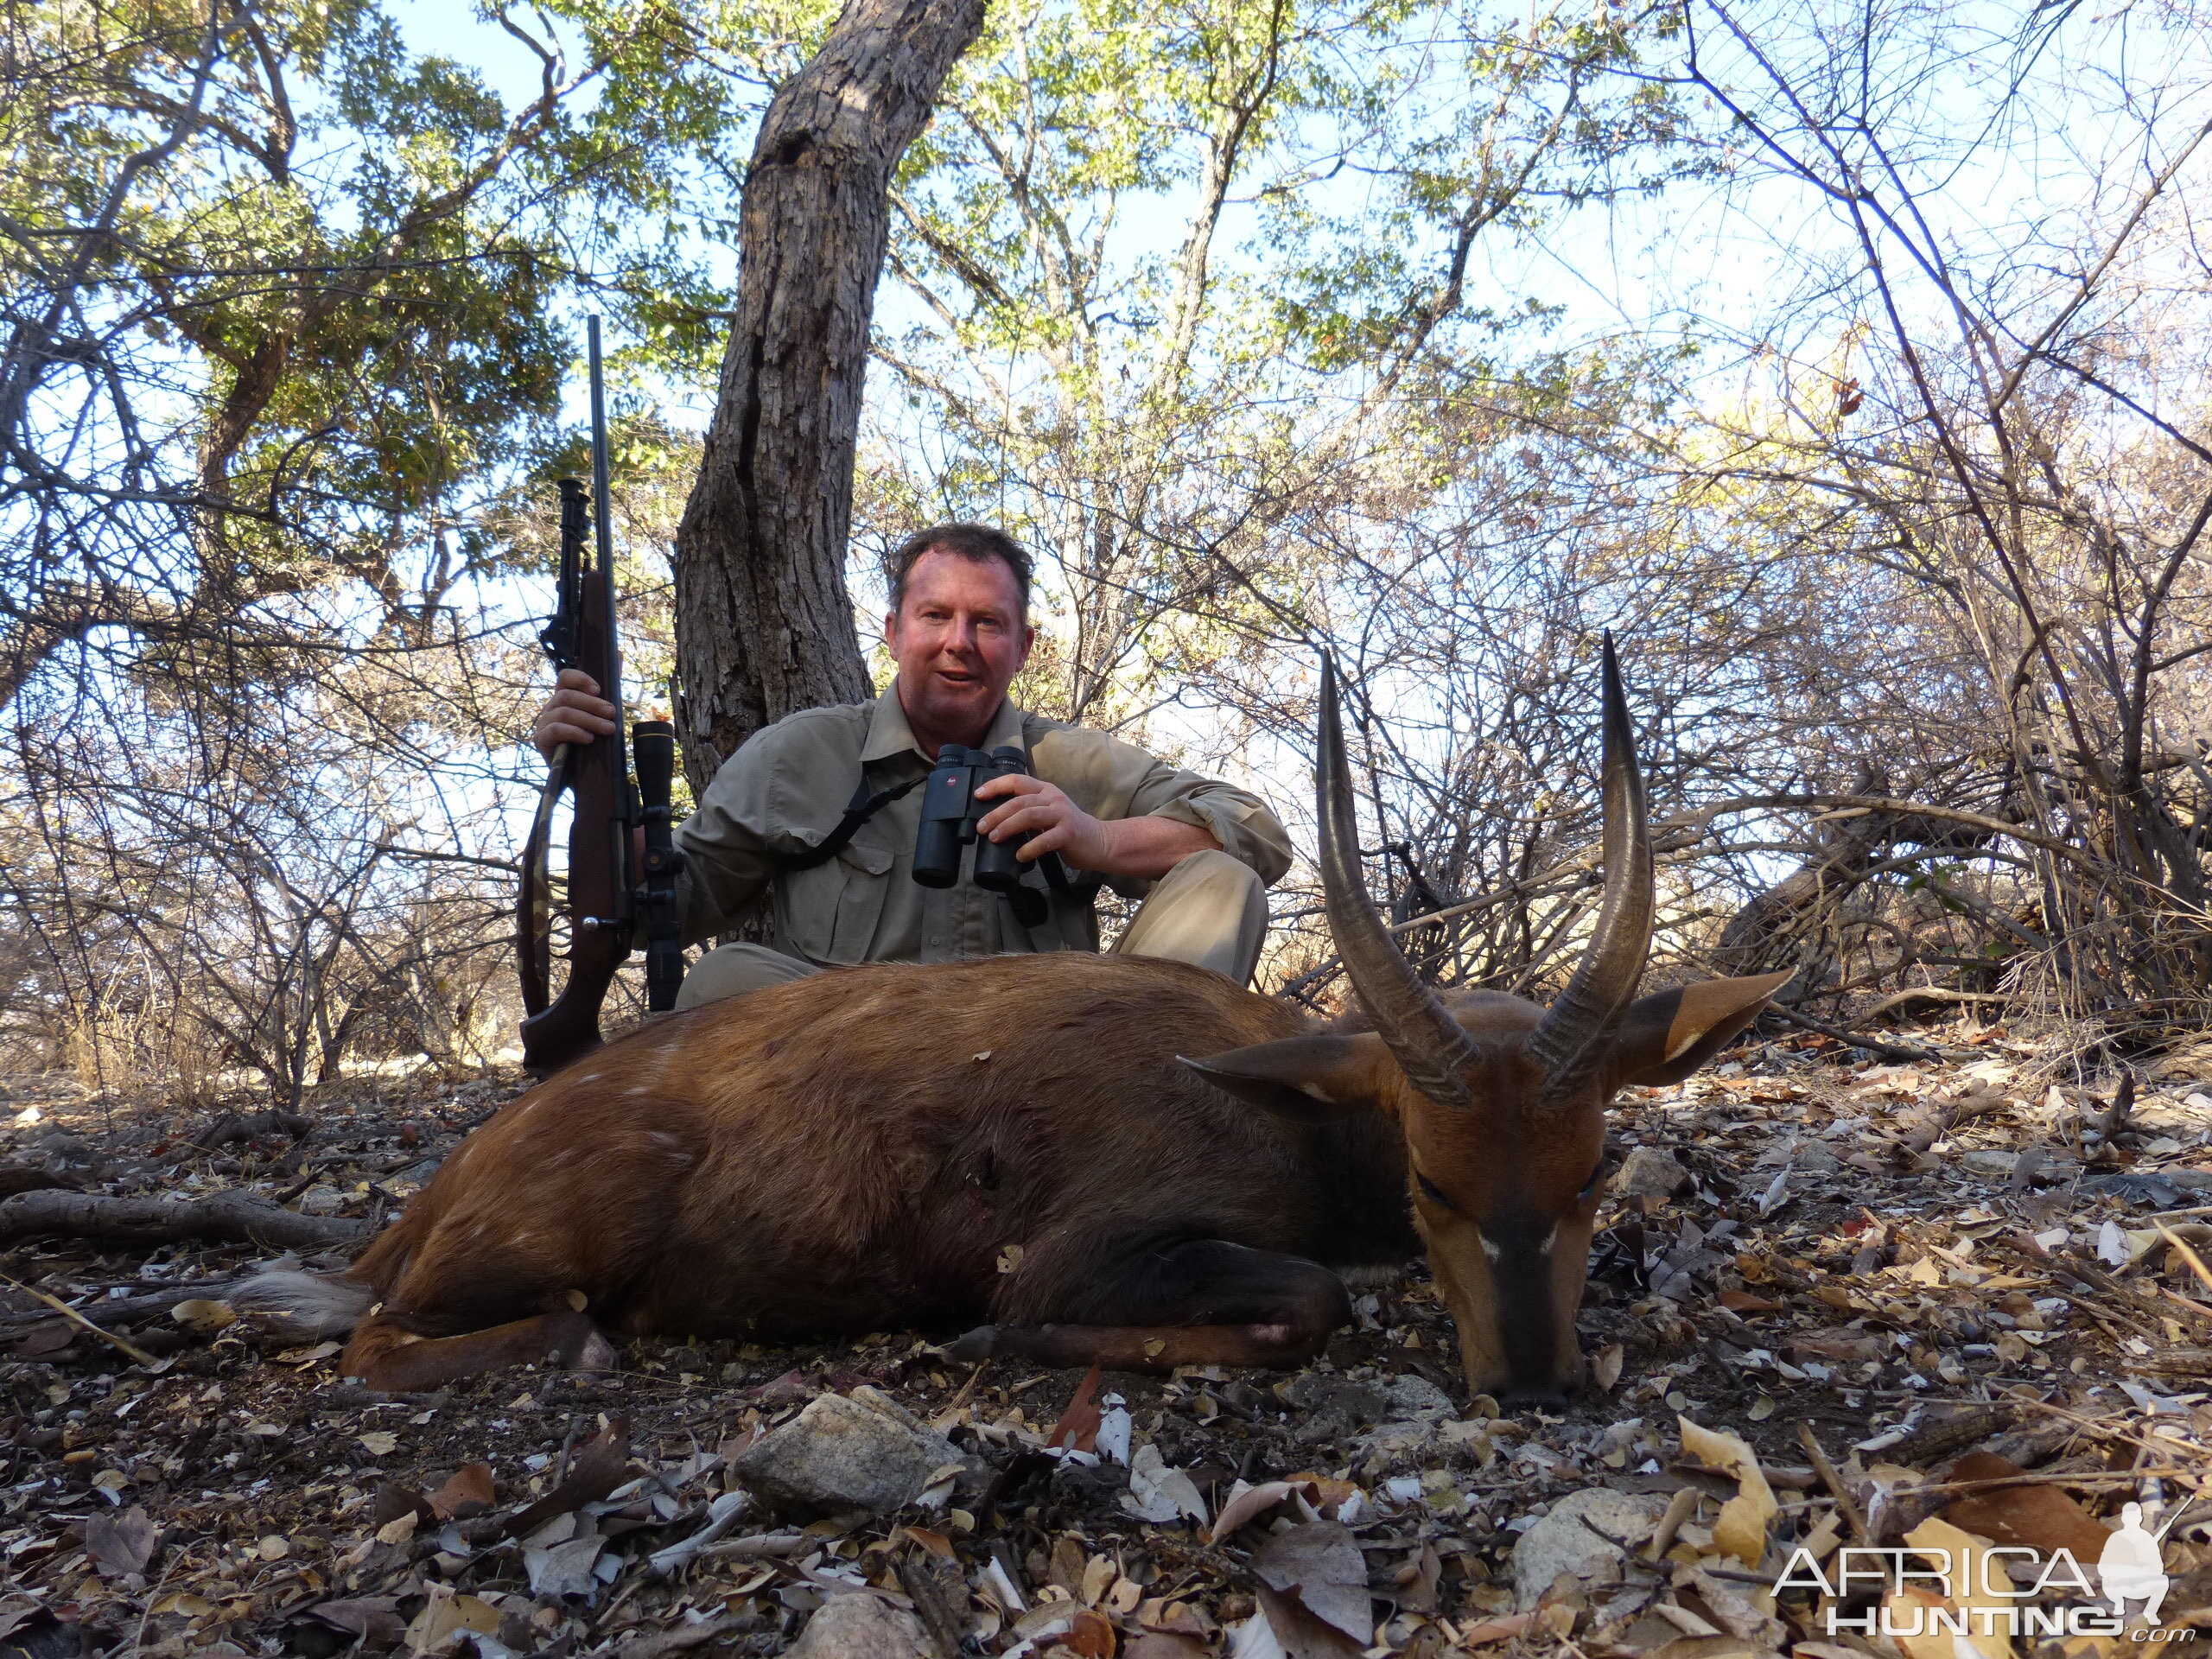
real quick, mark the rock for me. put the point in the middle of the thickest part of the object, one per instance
(321, 1201)
(1587, 1534)
(858, 1625)
(1814, 1159)
(1370, 1399)
(842, 1454)
(1650, 1172)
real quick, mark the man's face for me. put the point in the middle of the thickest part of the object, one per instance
(959, 640)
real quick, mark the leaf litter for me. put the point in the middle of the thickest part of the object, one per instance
(1953, 1306)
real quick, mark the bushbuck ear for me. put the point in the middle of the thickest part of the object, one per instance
(1665, 1037)
(1310, 1079)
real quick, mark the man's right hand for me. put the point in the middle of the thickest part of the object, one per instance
(575, 712)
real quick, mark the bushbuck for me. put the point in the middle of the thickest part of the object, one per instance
(1022, 1140)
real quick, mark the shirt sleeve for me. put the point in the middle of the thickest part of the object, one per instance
(1109, 779)
(760, 809)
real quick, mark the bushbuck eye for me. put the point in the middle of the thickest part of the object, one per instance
(1435, 1195)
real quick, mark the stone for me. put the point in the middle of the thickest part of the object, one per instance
(321, 1201)
(1814, 1159)
(1649, 1172)
(841, 1454)
(858, 1625)
(1352, 1402)
(1587, 1534)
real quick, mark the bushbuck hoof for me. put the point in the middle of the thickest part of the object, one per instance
(978, 1346)
(595, 1354)
(577, 1344)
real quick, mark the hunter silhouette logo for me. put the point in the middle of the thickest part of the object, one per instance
(1986, 1595)
(2132, 1567)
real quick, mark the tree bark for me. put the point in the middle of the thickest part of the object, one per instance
(764, 622)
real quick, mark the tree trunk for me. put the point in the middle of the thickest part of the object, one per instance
(764, 622)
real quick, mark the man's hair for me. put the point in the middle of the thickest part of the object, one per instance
(977, 543)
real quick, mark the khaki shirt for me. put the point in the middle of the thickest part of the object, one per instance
(788, 786)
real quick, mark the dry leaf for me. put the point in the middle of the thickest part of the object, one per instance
(1091, 1636)
(470, 1484)
(1248, 1505)
(1319, 1563)
(603, 1464)
(396, 1531)
(1494, 1630)
(444, 1615)
(1159, 1493)
(380, 1442)
(1605, 1367)
(1077, 1428)
(201, 1315)
(1962, 1578)
(119, 1544)
(1165, 1644)
(1742, 1301)
(1741, 1529)
(2040, 1517)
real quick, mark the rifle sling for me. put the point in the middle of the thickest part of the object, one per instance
(862, 807)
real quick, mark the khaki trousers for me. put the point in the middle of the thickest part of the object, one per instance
(1210, 910)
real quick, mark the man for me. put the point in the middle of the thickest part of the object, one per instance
(1199, 852)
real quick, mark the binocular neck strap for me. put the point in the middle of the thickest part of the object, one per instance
(862, 807)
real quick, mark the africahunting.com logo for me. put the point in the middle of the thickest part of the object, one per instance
(1935, 1590)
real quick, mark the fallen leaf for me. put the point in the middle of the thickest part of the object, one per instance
(1742, 1301)
(1248, 1506)
(1494, 1630)
(399, 1531)
(564, 1569)
(119, 1544)
(1098, 1576)
(1741, 1529)
(1283, 1629)
(1319, 1563)
(1165, 1644)
(1159, 1493)
(2040, 1517)
(41, 1340)
(1958, 1555)
(1077, 1428)
(445, 1615)
(603, 1464)
(1605, 1367)
(380, 1442)
(204, 1316)
(470, 1484)
(374, 1616)
(1091, 1636)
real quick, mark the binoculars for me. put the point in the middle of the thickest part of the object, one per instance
(950, 811)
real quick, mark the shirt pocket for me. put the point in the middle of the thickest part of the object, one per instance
(832, 910)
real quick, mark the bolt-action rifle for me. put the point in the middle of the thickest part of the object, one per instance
(605, 895)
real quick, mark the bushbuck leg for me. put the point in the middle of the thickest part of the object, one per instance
(1201, 1302)
(385, 1355)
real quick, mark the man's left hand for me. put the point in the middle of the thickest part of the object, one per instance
(1053, 824)
(1143, 848)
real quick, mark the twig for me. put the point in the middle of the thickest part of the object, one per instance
(138, 1355)
(1871, 1044)
(765, 1543)
(1833, 1481)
